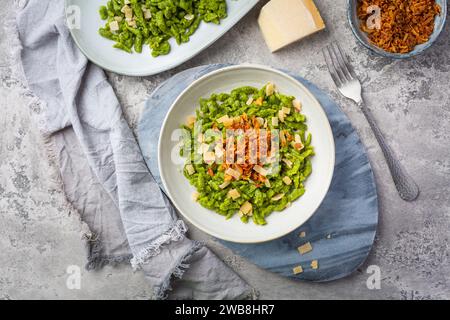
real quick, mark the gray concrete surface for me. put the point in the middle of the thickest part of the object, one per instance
(40, 238)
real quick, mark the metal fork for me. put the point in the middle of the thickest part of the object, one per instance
(350, 87)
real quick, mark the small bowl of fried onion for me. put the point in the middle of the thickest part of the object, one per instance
(397, 28)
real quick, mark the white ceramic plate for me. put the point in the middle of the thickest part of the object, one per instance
(100, 51)
(278, 223)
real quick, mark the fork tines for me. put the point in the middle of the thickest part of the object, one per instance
(338, 65)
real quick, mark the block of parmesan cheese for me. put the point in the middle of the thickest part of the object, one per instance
(283, 22)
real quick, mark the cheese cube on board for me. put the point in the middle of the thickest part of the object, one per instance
(283, 22)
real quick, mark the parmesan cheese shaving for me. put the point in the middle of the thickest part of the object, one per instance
(114, 26)
(147, 14)
(297, 145)
(281, 115)
(234, 194)
(287, 180)
(190, 121)
(303, 249)
(275, 121)
(224, 185)
(260, 170)
(190, 169)
(270, 89)
(209, 157)
(297, 105)
(189, 16)
(246, 208)
(278, 197)
(226, 120)
(286, 110)
(287, 162)
(297, 270)
(235, 174)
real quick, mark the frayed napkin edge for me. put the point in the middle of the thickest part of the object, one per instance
(175, 233)
(162, 292)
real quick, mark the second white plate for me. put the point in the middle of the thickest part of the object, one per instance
(101, 52)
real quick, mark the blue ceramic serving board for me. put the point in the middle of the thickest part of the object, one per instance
(342, 230)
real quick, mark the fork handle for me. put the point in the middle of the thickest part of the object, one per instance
(406, 186)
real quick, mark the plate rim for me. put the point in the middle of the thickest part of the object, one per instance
(249, 5)
(231, 68)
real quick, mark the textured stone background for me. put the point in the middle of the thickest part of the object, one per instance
(39, 237)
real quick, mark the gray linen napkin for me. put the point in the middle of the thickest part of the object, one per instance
(102, 170)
